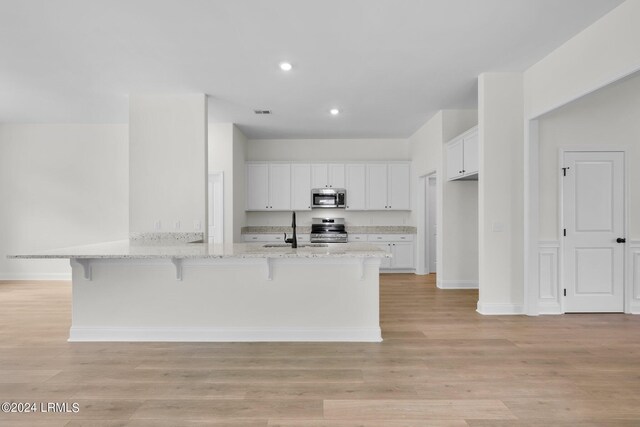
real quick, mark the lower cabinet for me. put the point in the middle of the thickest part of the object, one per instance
(273, 238)
(401, 246)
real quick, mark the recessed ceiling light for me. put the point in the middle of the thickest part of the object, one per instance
(285, 66)
(334, 111)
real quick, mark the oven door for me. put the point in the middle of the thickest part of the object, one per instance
(324, 200)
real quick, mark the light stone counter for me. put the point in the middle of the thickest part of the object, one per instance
(126, 249)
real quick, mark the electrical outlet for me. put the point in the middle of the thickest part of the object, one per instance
(177, 225)
(157, 225)
(197, 225)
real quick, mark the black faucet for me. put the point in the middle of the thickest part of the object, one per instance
(294, 239)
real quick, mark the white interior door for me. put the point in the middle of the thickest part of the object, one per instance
(593, 217)
(216, 208)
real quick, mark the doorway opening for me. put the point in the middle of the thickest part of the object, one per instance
(427, 225)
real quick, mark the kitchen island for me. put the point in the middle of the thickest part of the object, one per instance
(146, 291)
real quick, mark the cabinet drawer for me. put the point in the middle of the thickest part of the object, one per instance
(263, 237)
(391, 237)
(301, 237)
(357, 237)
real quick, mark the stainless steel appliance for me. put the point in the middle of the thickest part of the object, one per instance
(328, 230)
(328, 198)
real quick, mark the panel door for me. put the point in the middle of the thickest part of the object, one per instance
(279, 186)
(471, 155)
(399, 197)
(376, 187)
(300, 187)
(319, 176)
(336, 176)
(257, 187)
(402, 255)
(455, 164)
(593, 216)
(356, 185)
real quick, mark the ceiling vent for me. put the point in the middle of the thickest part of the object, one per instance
(262, 111)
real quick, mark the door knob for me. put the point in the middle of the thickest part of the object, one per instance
(621, 240)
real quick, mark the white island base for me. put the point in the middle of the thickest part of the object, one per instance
(226, 299)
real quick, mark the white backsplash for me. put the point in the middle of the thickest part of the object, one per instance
(303, 218)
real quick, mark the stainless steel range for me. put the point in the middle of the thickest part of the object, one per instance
(328, 230)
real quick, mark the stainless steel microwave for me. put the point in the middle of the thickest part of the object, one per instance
(328, 198)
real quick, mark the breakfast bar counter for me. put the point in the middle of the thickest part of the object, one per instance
(158, 291)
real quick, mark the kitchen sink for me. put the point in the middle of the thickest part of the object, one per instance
(288, 245)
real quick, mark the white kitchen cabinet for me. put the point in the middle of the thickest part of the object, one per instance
(327, 175)
(357, 238)
(399, 176)
(356, 186)
(257, 189)
(263, 238)
(300, 187)
(388, 186)
(463, 156)
(268, 186)
(280, 186)
(400, 246)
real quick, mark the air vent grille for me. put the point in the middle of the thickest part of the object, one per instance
(262, 111)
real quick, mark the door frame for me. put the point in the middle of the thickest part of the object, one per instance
(422, 244)
(627, 285)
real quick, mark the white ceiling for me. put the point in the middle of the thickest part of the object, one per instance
(388, 65)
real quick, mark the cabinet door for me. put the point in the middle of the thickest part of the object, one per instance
(280, 186)
(300, 187)
(356, 184)
(386, 262)
(455, 163)
(471, 154)
(402, 255)
(376, 187)
(399, 183)
(319, 176)
(336, 176)
(257, 187)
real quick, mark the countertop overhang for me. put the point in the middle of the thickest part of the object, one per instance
(126, 249)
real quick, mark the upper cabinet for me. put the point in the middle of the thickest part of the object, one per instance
(279, 186)
(356, 186)
(300, 186)
(463, 156)
(329, 175)
(268, 186)
(388, 186)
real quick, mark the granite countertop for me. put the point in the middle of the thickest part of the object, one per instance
(353, 229)
(126, 249)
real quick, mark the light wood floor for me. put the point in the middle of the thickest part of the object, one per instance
(441, 364)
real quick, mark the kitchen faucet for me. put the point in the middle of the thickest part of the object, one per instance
(294, 239)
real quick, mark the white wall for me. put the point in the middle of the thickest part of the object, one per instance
(239, 178)
(60, 185)
(167, 162)
(604, 52)
(227, 146)
(608, 117)
(327, 149)
(336, 150)
(501, 185)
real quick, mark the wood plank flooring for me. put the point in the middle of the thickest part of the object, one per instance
(441, 364)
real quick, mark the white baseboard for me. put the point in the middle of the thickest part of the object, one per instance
(549, 308)
(399, 270)
(457, 284)
(35, 276)
(634, 308)
(80, 334)
(500, 309)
